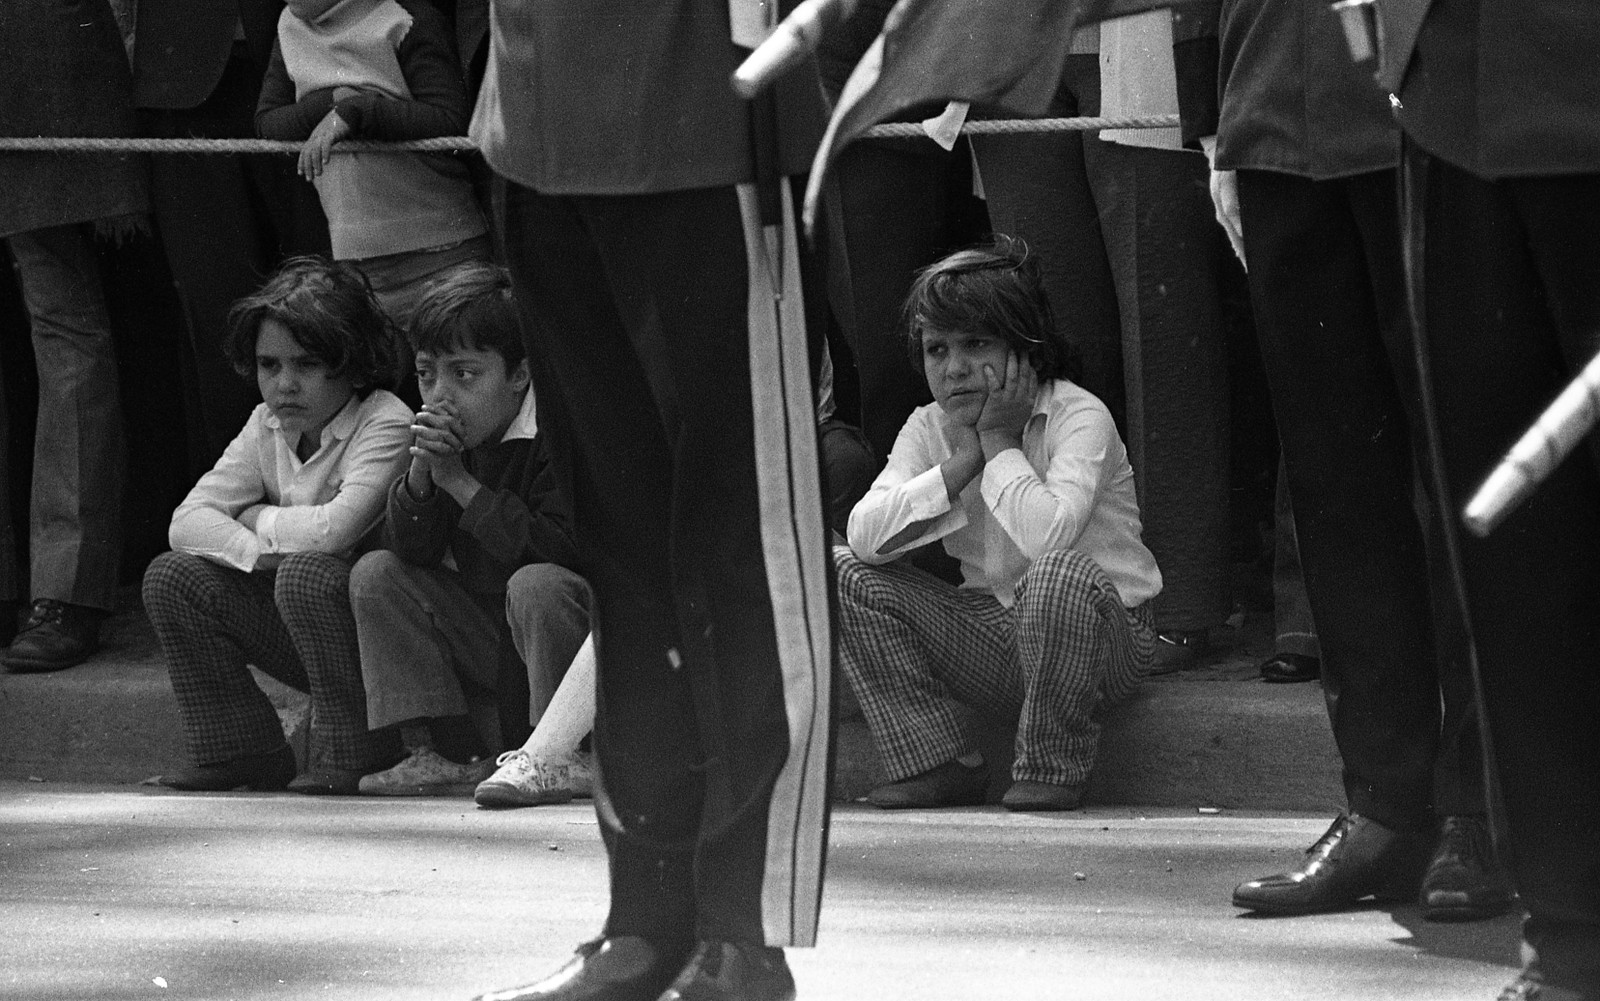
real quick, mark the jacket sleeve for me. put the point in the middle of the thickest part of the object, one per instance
(206, 523)
(1195, 53)
(438, 104)
(418, 531)
(278, 114)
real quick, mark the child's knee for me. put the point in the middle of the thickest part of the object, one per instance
(375, 574)
(1061, 578)
(313, 576)
(537, 588)
(171, 576)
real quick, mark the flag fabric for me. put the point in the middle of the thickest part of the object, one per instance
(1002, 54)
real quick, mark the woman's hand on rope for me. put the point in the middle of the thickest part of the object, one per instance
(319, 148)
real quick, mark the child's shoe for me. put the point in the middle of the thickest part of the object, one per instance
(523, 780)
(426, 773)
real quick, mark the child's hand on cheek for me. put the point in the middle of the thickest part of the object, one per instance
(1011, 395)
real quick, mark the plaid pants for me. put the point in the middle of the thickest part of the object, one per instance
(295, 625)
(923, 655)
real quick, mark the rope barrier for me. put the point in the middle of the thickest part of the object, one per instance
(456, 144)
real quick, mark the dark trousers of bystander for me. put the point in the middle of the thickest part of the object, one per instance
(636, 312)
(1510, 294)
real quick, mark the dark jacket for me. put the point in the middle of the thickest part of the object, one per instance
(1292, 99)
(182, 46)
(623, 97)
(64, 72)
(519, 517)
(1500, 88)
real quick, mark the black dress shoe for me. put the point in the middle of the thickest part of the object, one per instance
(1177, 649)
(57, 635)
(949, 784)
(622, 968)
(1465, 881)
(1358, 857)
(267, 772)
(733, 971)
(1291, 667)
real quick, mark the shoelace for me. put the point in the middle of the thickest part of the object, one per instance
(46, 612)
(505, 756)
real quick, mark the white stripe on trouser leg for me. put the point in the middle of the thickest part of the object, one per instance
(792, 539)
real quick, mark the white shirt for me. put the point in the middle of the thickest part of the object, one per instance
(325, 504)
(1069, 487)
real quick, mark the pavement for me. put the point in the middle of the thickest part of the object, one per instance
(1212, 735)
(128, 892)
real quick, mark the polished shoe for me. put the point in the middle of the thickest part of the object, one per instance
(1177, 649)
(328, 782)
(57, 635)
(1041, 797)
(267, 772)
(733, 971)
(1286, 668)
(1357, 857)
(1465, 880)
(949, 784)
(623, 968)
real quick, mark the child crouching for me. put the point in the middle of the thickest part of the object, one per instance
(1021, 475)
(472, 598)
(261, 547)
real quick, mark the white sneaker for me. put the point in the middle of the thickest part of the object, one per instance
(426, 773)
(523, 780)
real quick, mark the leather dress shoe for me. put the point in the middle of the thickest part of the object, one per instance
(57, 635)
(267, 772)
(733, 971)
(1465, 880)
(1177, 649)
(620, 968)
(1357, 857)
(1286, 668)
(1040, 797)
(949, 784)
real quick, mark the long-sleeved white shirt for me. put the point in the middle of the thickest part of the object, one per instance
(1069, 487)
(325, 504)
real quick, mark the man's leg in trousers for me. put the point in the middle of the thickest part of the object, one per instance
(1294, 629)
(76, 504)
(1079, 647)
(921, 655)
(212, 621)
(1511, 292)
(419, 632)
(1346, 448)
(547, 610)
(313, 596)
(636, 312)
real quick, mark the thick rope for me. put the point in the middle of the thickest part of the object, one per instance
(455, 144)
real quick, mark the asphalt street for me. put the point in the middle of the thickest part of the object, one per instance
(125, 892)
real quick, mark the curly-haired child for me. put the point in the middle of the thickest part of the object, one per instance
(261, 548)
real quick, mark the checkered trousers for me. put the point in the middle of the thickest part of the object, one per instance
(922, 655)
(294, 625)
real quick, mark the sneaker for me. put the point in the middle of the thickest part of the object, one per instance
(56, 636)
(523, 780)
(427, 773)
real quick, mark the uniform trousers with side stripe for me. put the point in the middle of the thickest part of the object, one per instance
(924, 656)
(295, 625)
(711, 741)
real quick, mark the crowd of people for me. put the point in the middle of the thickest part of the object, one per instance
(569, 468)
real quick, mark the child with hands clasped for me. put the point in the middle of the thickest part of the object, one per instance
(1021, 475)
(472, 599)
(261, 548)
(377, 69)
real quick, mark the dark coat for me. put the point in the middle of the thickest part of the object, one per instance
(64, 72)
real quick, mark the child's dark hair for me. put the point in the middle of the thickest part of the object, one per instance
(329, 311)
(994, 287)
(470, 307)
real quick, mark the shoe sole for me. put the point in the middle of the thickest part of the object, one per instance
(1457, 912)
(509, 797)
(23, 666)
(452, 789)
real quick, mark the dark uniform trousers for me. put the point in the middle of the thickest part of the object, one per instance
(711, 750)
